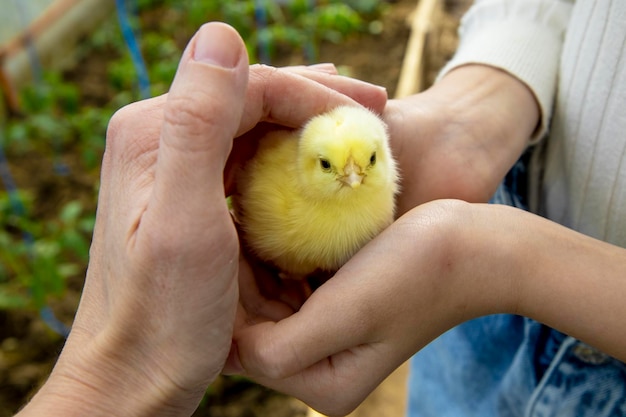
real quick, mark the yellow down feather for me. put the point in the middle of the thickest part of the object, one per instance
(309, 199)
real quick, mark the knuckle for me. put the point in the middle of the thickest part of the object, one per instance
(186, 111)
(270, 360)
(263, 78)
(263, 72)
(118, 124)
(134, 126)
(195, 115)
(271, 365)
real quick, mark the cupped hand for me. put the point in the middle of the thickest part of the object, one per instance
(417, 279)
(160, 297)
(156, 317)
(440, 264)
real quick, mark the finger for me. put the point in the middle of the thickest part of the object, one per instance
(288, 98)
(368, 95)
(244, 148)
(352, 309)
(361, 366)
(349, 310)
(345, 333)
(257, 306)
(314, 333)
(325, 67)
(202, 113)
(323, 385)
(132, 137)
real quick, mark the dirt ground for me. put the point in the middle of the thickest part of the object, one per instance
(28, 348)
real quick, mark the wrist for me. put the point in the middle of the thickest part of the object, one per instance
(65, 395)
(487, 262)
(103, 380)
(468, 129)
(499, 102)
(464, 269)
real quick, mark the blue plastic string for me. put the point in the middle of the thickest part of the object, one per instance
(260, 16)
(11, 187)
(60, 168)
(132, 42)
(310, 54)
(18, 209)
(9, 183)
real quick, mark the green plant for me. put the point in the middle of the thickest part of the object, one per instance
(54, 122)
(276, 26)
(37, 257)
(38, 254)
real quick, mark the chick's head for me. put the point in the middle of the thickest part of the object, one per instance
(345, 152)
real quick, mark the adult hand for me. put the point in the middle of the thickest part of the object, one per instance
(155, 321)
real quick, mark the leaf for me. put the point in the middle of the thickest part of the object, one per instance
(71, 211)
(9, 301)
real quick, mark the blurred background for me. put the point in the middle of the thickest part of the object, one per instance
(67, 65)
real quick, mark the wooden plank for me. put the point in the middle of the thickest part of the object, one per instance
(412, 73)
(36, 28)
(53, 35)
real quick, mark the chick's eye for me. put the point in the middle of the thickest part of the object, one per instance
(373, 159)
(325, 164)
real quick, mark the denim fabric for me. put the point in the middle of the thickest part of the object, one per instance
(511, 366)
(486, 368)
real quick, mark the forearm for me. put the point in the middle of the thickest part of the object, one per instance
(575, 284)
(517, 262)
(105, 382)
(65, 397)
(70, 398)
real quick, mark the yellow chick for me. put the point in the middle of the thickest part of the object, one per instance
(310, 199)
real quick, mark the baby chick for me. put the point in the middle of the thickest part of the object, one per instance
(309, 199)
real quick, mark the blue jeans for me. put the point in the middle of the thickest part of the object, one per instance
(505, 365)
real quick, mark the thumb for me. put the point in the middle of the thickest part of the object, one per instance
(201, 117)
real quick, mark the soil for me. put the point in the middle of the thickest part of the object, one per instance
(28, 348)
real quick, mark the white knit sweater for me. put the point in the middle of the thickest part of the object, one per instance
(573, 57)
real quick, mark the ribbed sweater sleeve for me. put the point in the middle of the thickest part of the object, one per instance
(522, 37)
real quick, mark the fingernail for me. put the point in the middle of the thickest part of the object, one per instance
(371, 85)
(377, 87)
(217, 44)
(326, 67)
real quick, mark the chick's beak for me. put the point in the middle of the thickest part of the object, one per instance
(352, 175)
